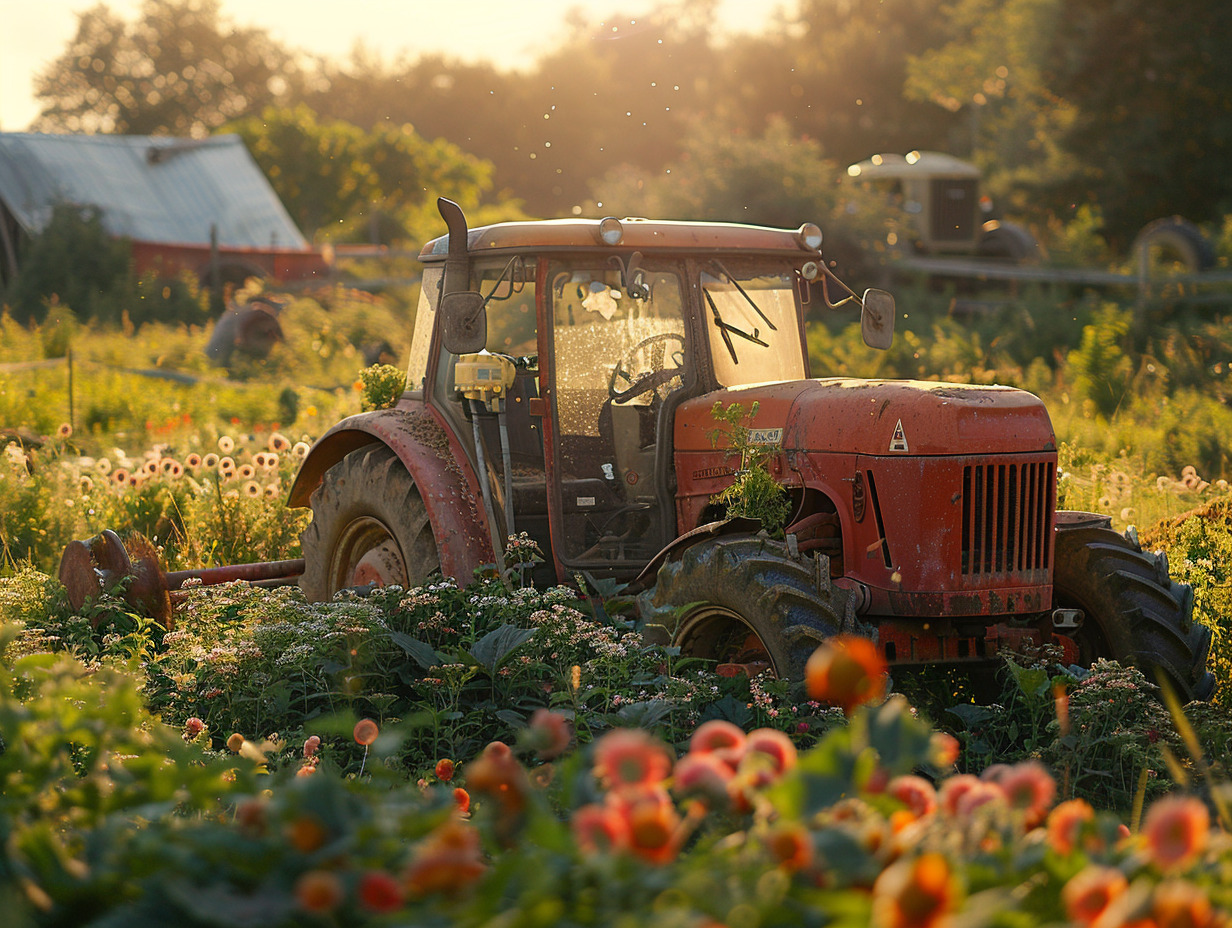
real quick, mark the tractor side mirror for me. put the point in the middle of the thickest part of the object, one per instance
(877, 319)
(464, 320)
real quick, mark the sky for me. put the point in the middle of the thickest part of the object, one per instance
(508, 33)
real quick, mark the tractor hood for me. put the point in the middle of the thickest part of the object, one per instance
(878, 417)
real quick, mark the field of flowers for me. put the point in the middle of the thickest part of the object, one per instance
(492, 754)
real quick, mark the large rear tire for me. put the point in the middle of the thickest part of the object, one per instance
(745, 600)
(369, 526)
(1133, 611)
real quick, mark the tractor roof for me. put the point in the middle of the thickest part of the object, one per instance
(646, 235)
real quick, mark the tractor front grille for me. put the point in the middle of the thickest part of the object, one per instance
(1007, 517)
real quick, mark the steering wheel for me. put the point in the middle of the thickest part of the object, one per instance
(649, 355)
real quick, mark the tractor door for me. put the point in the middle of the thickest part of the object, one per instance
(619, 352)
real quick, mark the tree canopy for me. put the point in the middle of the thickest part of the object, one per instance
(1120, 107)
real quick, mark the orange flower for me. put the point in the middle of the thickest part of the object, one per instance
(720, 738)
(770, 752)
(630, 757)
(550, 733)
(235, 742)
(379, 892)
(703, 774)
(1178, 904)
(915, 892)
(944, 749)
(1176, 831)
(1065, 824)
(1091, 891)
(445, 769)
(916, 793)
(497, 773)
(791, 845)
(1029, 788)
(600, 829)
(365, 732)
(846, 671)
(448, 860)
(654, 824)
(319, 891)
(953, 789)
(306, 834)
(462, 799)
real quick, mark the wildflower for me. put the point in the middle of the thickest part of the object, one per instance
(210, 460)
(259, 459)
(654, 824)
(319, 891)
(226, 444)
(1180, 904)
(943, 749)
(192, 459)
(1089, 892)
(846, 671)
(703, 774)
(462, 799)
(235, 742)
(312, 744)
(379, 892)
(247, 472)
(119, 477)
(444, 769)
(64, 431)
(365, 732)
(278, 442)
(791, 845)
(768, 754)
(307, 769)
(300, 449)
(251, 489)
(1029, 789)
(1176, 831)
(271, 461)
(550, 733)
(720, 738)
(306, 834)
(916, 793)
(226, 466)
(448, 860)
(599, 829)
(630, 757)
(497, 773)
(193, 727)
(1065, 824)
(915, 892)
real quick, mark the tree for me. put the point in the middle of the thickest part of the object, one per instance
(331, 174)
(1151, 85)
(179, 70)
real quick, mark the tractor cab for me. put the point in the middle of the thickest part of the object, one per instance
(561, 353)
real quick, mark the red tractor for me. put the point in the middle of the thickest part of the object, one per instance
(562, 382)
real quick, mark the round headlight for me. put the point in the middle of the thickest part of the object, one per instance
(610, 231)
(810, 236)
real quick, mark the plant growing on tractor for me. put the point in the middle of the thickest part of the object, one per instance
(754, 494)
(382, 385)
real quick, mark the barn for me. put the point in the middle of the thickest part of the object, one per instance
(200, 205)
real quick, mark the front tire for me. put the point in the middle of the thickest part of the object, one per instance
(369, 526)
(1134, 612)
(744, 599)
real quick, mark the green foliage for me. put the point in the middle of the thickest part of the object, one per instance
(331, 174)
(754, 494)
(1100, 368)
(383, 385)
(71, 268)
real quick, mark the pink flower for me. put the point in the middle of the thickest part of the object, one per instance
(1176, 831)
(630, 757)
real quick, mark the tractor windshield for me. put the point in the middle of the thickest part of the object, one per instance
(753, 324)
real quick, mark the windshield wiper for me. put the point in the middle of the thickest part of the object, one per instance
(744, 293)
(724, 328)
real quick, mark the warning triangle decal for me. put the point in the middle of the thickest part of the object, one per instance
(899, 441)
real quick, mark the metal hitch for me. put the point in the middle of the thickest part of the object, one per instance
(102, 562)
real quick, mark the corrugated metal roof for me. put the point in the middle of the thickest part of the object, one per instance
(148, 188)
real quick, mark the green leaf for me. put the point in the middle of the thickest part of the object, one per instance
(420, 651)
(493, 649)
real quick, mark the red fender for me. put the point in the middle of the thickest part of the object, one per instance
(430, 451)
